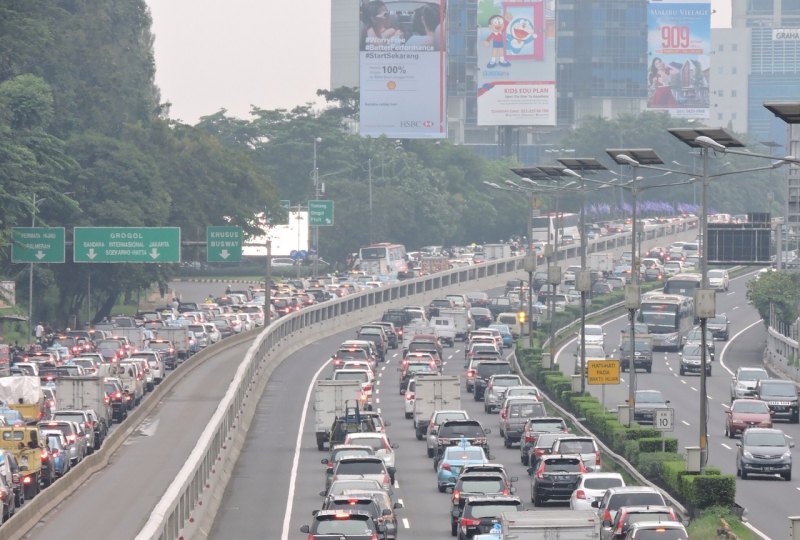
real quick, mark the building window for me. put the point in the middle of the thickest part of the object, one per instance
(719, 116)
(733, 116)
(721, 47)
(721, 93)
(733, 70)
(734, 47)
(733, 93)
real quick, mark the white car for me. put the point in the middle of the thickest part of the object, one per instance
(213, 332)
(592, 487)
(594, 335)
(379, 442)
(719, 280)
(672, 268)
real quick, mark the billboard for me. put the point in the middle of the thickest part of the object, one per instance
(402, 69)
(678, 58)
(516, 63)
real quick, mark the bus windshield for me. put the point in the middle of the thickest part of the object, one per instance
(659, 315)
(373, 253)
(684, 287)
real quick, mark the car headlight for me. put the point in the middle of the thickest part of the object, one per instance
(747, 454)
(787, 455)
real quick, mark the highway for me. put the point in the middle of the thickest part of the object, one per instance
(769, 500)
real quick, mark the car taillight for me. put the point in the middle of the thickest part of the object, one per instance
(45, 455)
(606, 515)
(26, 480)
(15, 478)
(367, 387)
(580, 494)
(446, 467)
(502, 413)
(480, 440)
(71, 438)
(118, 395)
(330, 466)
(55, 452)
(387, 479)
(88, 425)
(409, 396)
(471, 374)
(469, 522)
(597, 458)
(456, 496)
(540, 471)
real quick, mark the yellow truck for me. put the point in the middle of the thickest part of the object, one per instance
(24, 394)
(24, 443)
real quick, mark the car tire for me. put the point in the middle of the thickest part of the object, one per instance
(744, 474)
(453, 528)
(787, 476)
(536, 500)
(442, 489)
(649, 369)
(682, 372)
(430, 452)
(523, 458)
(507, 442)
(408, 416)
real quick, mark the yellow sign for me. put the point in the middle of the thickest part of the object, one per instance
(536, 202)
(602, 371)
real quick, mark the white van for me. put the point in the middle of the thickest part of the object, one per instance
(132, 379)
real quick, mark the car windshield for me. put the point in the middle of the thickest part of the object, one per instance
(350, 376)
(602, 482)
(641, 345)
(486, 369)
(54, 442)
(337, 488)
(649, 397)
(482, 485)
(594, 331)
(562, 465)
(506, 381)
(751, 407)
(779, 389)
(661, 533)
(716, 273)
(752, 375)
(768, 438)
(692, 351)
(444, 417)
(595, 351)
(547, 426)
(635, 499)
(720, 319)
(360, 467)
(343, 527)
(461, 454)
(491, 510)
(376, 443)
(576, 447)
(525, 410)
(461, 430)
(70, 417)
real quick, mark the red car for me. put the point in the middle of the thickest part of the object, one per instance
(745, 413)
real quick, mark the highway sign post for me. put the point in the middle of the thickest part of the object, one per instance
(664, 419)
(37, 245)
(223, 244)
(320, 213)
(126, 245)
(602, 371)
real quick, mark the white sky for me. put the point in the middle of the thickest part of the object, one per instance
(231, 54)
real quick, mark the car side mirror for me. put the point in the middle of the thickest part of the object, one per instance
(323, 493)
(449, 489)
(397, 505)
(606, 524)
(395, 446)
(314, 512)
(531, 471)
(512, 490)
(514, 478)
(386, 512)
(387, 424)
(595, 504)
(324, 461)
(436, 432)
(667, 401)
(487, 431)
(791, 445)
(729, 412)
(305, 529)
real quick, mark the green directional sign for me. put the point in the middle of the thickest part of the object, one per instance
(127, 245)
(37, 245)
(320, 213)
(224, 244)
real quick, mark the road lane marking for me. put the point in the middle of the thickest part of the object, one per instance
(400, 501)
(444, 363)
(756, 531)
(684, 382)
(377, 391)
(287, 517)
(377, 400)
(788, 436)
(730, 293)
(396, 485)
(726, 446)
(378, 381)
(693, 388)
(735, 307)
(405, 523)
(450, 357)
(685, 423)
(725, 406)
(379, 410)
(731, 340)
(394, 355)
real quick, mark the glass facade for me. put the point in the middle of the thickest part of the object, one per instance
(462, 24)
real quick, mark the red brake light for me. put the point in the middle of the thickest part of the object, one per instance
(446, 467)
(409, 396)
(580, 494)
(540, 472)
(45, 455)
(26, 480)
(456, 495)
(469, 522)
(597, 458)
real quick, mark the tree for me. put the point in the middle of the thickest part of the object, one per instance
(781, 289)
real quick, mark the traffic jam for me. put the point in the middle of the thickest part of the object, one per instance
(446, 357)
(64, 395)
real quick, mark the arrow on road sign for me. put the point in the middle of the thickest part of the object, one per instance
(91, 254)
(40, 254)
(154, 253)
(224, 254)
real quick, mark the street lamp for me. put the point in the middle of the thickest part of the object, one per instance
(317, 140)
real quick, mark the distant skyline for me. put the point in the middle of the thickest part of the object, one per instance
(231, 54)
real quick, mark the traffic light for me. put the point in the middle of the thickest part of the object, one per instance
(521, 316)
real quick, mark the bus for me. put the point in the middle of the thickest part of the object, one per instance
(669, 317)
(385, 260)
(566, 224)
(683, 284)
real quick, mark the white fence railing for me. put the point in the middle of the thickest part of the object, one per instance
(783, 350)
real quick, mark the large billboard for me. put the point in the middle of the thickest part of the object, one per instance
(678, 54)
(402, 69)
(516, 63)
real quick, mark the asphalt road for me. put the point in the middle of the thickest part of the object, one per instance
(769, 500)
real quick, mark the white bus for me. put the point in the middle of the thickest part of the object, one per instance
(566, 224)
(669, 317)
(384, 260)
(683, 284)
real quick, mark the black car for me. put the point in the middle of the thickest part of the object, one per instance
(343, 425)
(555, 478)
(437, 304)
(452, 432)
(719, 327)
(484, 372)
(168, 353)
(481, 316)
(781, 396)
(646, 404)
(391, 332)
(478, 484)
(343, 526)
(480, 514)
(501, 304)
(119, 405)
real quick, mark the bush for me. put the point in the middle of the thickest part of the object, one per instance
(651, 463)
(658, 444)
(671, 472)
(631, 452)
(706, 490)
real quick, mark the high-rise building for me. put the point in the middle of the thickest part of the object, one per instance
(728, 81)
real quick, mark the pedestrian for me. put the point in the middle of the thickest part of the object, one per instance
(39, 332)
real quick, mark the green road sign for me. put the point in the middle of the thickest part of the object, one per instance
(37, 245)
(320, 213)
(127, 245)
(223, 244)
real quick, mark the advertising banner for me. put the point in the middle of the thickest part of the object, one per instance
(402, 69)
(516, 63)
(678, 52)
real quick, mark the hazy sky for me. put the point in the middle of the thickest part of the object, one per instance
(231, 54)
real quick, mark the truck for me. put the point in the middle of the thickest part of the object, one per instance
(547, 525)
(601, 262)
(496, 251)
(330, 401)
(462, 318)
(23, 393)
(434, 393)
(84, 393)
(179, 336)
(444, 328)
(24, 443)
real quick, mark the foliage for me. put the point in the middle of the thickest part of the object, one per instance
(707, 522)
(705, 490)
(782, 289)
(658, 444)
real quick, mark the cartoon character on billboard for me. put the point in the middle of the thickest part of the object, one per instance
(520, 35)
(496, 40)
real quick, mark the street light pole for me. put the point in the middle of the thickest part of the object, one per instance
(317, 140)
(369, 178)
(30, 272)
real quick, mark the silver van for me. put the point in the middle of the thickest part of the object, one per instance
(514, 413)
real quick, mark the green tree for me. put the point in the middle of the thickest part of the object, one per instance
(781, 289)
